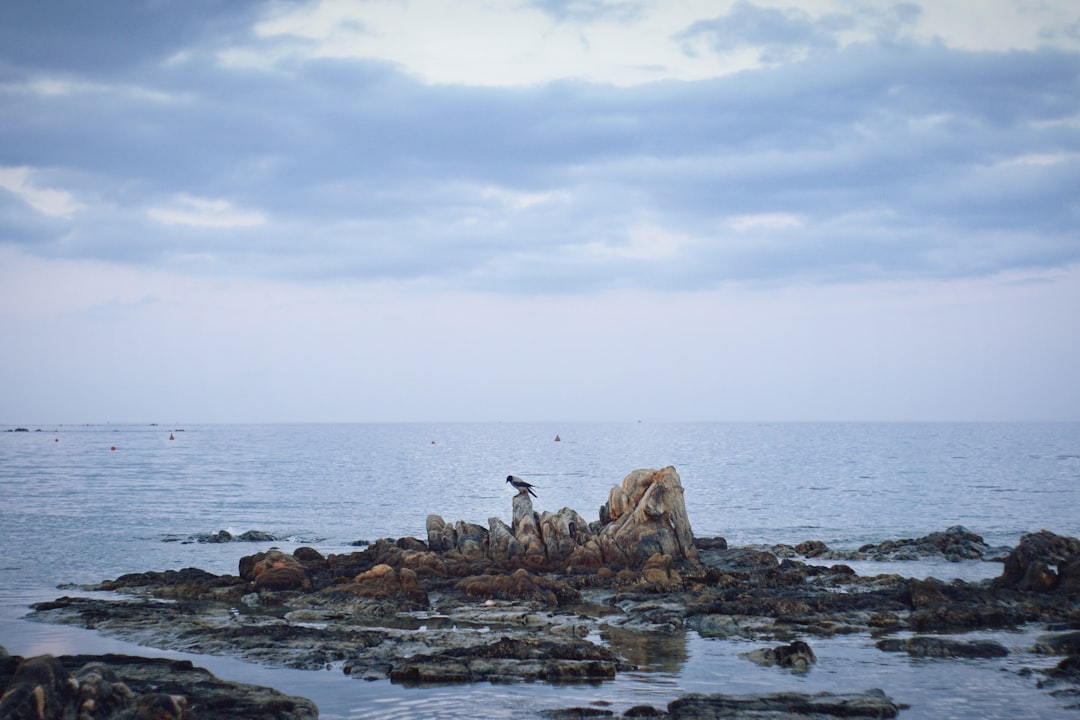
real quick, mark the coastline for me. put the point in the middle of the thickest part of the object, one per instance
(430, 625)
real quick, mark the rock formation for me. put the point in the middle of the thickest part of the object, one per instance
(644, 516)
(1030, 564)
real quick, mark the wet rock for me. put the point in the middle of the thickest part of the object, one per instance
(1058, 644)
(812, 548)
(871, 704)
(1068, 669)
(403, 585)
(519, 585)
(660, 574)
(582, 713)
(1069, 575)
(734, 559)
(179, 584)
(101, 693)
(956, 543)
(378, 592)
(40, 688)
(309, 556)
(797, 656)
(224, 536)
(926, 646)
(275, 570)
(1027, 566)
(510, 658)
(121, 687)
(711, 543)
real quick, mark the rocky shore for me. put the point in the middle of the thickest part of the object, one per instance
(553, 598)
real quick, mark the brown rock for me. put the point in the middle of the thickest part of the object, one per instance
(1069, 575)
(506, 550)
(41, 688)
(647, 516)
(519, 585)
(1038, 578)
(283, 577)
(812, 548)
(660, 570)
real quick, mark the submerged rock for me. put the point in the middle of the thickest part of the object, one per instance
(510, 659)
(923, 646)
(778, 706)
(797, 656)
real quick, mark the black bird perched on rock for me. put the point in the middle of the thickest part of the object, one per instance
(521, 485)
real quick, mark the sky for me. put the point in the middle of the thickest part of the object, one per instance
(533, 210)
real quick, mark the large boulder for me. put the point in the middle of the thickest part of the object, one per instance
(645, 516)
(1029, 566)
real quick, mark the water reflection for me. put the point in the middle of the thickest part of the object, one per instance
(664, 652)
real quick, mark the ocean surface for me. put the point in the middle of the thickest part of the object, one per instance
(81, 504)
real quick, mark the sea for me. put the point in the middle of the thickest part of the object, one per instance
(85, 503)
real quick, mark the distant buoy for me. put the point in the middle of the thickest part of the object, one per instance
(171, 436)
(113, 447)
(432, 442)
(558, 439)
(56, 440)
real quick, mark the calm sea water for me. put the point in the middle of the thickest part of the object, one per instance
(76, 510)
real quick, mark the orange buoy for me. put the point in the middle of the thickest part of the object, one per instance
(171, 436)
(113, 447)
(558, 439)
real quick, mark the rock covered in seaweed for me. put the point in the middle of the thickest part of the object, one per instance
(122, 687)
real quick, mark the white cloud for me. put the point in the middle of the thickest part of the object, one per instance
(1040, 159)
(512, 44)
(516, 200)
(48, 201)
(997, 25)
(205, 213)
(644, 242)
(498, 44)
(765, 221)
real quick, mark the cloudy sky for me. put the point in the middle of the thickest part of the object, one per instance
(387, 210)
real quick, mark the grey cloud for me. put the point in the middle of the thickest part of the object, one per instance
(589, 10)
(780, 33)
(87, 38)
(894, 159)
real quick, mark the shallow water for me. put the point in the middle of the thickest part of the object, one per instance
(77, 511)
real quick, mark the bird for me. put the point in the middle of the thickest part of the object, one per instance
(521, 485)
